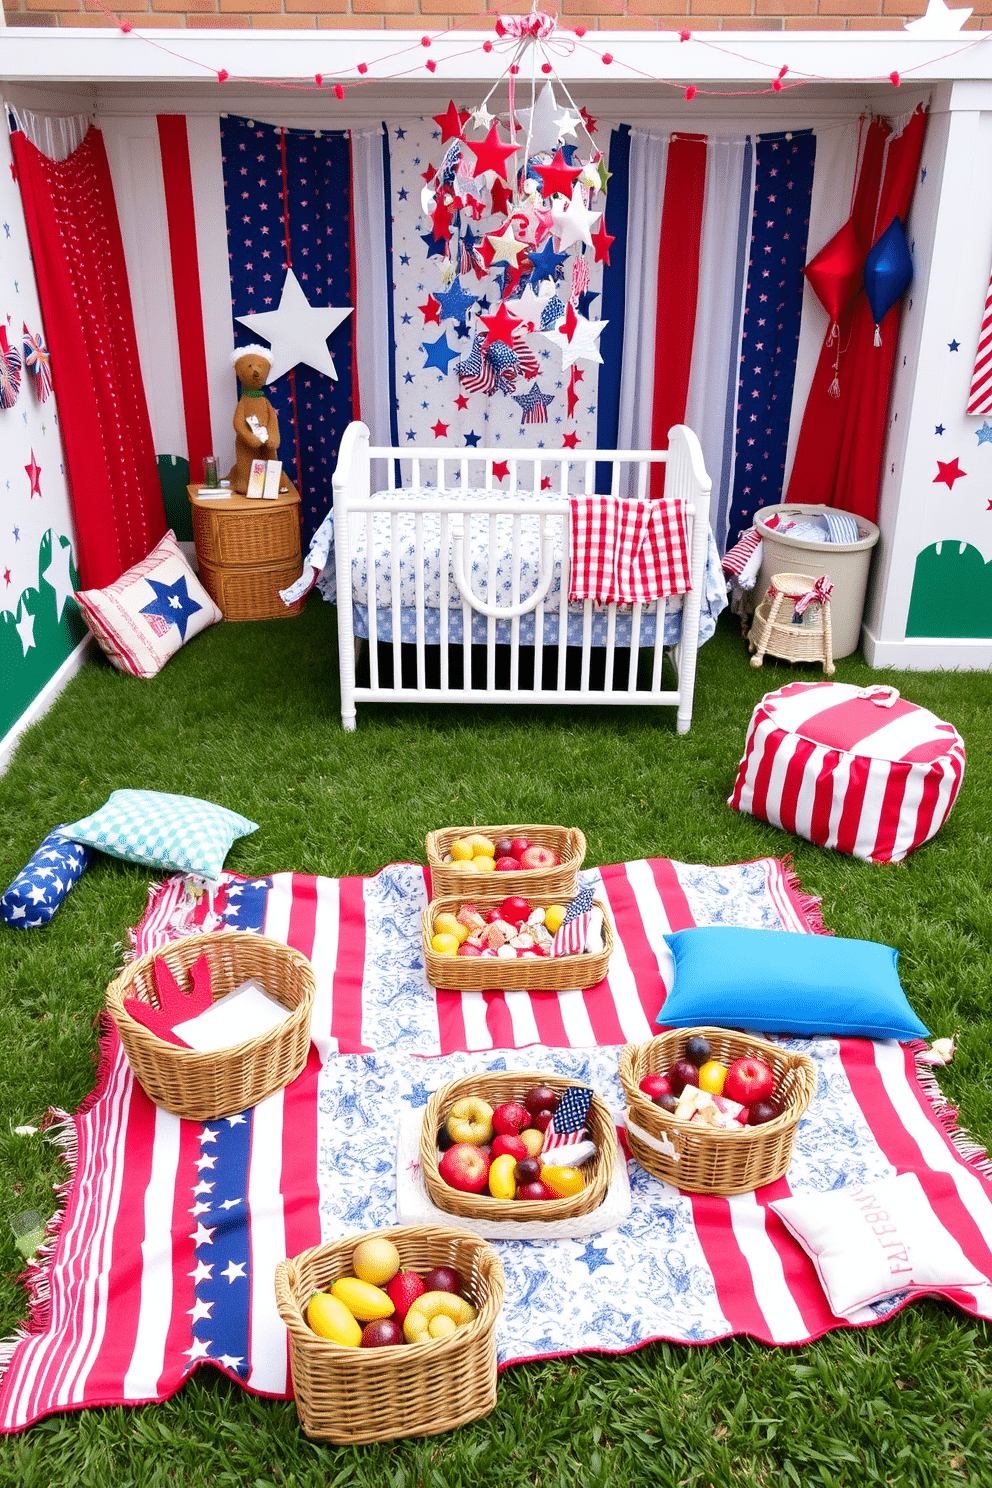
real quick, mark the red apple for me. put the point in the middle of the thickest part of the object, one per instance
(541, 1098)
(507, 865)
(653, 1085)
(760, 1112)
(382, 1333)
(515, 909)
(466, 1168)
(507, 1144)
(682, 1073)
(468, 950)
(538, 857)
(504, 847)
(536, 1190)
(443, 1279)
(749, 1081)
(518, 846)
(528, 1170)
(510, 1118)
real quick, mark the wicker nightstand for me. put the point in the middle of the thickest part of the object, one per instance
(247, 551)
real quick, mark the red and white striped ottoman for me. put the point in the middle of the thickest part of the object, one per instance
(858, 769)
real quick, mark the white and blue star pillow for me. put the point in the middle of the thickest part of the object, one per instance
(152, 610)
(43, 882)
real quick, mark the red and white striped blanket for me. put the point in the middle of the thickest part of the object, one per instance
(163, 1257)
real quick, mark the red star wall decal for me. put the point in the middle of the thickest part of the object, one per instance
(431, 311)
(546, 484)
(501, 326)
(948, 471)
(461, 402)
(492, 155)
(570, 441)
(439, 430)
(558, 177)
(500, 469)
(33, 473)
(451, 123)
(601, 241)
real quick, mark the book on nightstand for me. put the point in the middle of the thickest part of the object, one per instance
(273, 480)
(256, 478)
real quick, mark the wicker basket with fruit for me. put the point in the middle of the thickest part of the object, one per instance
(505, 860)
(511, 946)
(391, 1333)
(714, 1111)
(483, 1155)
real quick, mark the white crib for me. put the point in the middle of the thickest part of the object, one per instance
(506, 596)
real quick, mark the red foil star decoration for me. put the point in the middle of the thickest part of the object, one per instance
(501, 326)
(451, 122)
(948, 471)
(557, 178)
(492, 155)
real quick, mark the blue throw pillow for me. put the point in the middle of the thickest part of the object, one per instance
(43, 882)
(777, 981)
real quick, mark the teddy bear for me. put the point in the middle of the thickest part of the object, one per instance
(256, 426)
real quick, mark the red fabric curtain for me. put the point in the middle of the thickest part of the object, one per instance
(86, 307)
(839, 452)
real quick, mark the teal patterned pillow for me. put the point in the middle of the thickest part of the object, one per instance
(162, 831)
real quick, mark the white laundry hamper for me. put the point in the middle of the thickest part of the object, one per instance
(847, 564)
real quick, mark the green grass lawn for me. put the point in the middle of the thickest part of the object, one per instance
(247, 715)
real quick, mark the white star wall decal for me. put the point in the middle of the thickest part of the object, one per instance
(57, 573)
(297, 331)
(939, 23)
(25, 628)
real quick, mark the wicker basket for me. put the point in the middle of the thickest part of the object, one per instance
(558, 884)
(351, 1395)
(496, 1089)
(708, 1160)
(773, 633)
(252, 593)
(240, 532)
(499, 974)
(206, 1086)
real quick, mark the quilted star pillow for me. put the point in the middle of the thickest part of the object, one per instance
(162, 831)
(152, 610)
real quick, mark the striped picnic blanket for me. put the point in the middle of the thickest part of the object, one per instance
(163, 1258)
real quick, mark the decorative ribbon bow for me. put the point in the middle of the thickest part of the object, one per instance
(537, 24)
(819, 594)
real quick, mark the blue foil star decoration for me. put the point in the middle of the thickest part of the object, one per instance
(439, 353)
(171, 603)
(984, 433)
(455, 302)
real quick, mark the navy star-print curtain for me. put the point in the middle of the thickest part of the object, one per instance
(287, 195)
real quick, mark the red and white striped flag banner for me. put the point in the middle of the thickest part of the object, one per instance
(980, 397)
(568, 1124)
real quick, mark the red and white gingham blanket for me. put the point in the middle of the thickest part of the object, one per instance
(627, 552)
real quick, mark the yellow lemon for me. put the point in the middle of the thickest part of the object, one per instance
(466, 865)
(481, 845)
(461, 850)
(375, 1260)
(447, 924)
(363, 1301)
(711, 1076)
(445, 945)
(329, 1318)
(483, 864)
(502, 1184)
(553, 916)
(564, 1183)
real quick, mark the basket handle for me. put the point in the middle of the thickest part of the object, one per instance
(663, 1145)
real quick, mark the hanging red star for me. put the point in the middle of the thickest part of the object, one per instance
(588, 120)
(572, 396)
(491, 154)
(948, 471)
(601, 241)
(501, 197)
(451, 122)
(571, 321)
(431, 311)
(570, 441)
(439, 430)
(441, 218)
(501, 326)
(33, 473)
(557, 178)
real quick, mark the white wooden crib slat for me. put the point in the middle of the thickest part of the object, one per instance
(395, 598)
(372, 607)
(418, 544)
(445, 547)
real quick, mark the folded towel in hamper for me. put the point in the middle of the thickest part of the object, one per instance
(627, 552)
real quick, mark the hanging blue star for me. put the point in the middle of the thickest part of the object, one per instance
(545, 262)
(984, 433)
(172, 603)
(455, 302)
(462, 330)
(439, 353)
(585, 302)
(434, 249)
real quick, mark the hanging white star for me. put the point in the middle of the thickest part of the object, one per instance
(541, 123)
(57, 573)
(506, 248)
(531, 303)
(939, 23)
(297, 331)
(584, 345)
(573, 221)
(25, 628)
(566, 123)
(482, 117)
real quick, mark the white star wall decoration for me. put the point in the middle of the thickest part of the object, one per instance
(297, 331)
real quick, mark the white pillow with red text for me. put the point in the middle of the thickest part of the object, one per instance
(150, 611)
(875, 1240)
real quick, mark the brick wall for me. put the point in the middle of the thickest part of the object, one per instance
(435, 15)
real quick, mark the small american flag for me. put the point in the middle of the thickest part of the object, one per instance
(570, 938)
(568, 1124)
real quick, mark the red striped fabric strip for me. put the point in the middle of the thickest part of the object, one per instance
(980, 395)
(178, 181)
